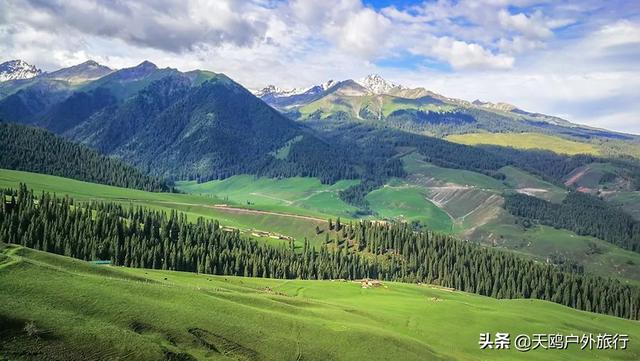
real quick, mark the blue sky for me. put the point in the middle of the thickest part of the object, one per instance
(575, 59)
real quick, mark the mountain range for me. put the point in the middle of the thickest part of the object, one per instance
(419, 110)
(372, 98)
(179, 125)
(203, 125)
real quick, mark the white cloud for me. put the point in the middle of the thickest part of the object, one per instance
(349, 25)
(622, 32)
(531, 26)
(462, 55)
(166, 25)
(364, 33)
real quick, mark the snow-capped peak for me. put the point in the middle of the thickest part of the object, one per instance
(274, 91)
(328, 84)
(277, 92)
(17, 69)
(377, 84)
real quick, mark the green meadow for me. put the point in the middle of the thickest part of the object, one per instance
(407, 203)
(300, 195)
(527, 141)
(64, 309)
(291, 207)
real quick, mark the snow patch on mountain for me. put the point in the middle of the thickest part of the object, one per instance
(17, 69)
(276, 92)
(376, 84)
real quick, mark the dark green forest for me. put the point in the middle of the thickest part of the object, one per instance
(176, 127)
(138, 237)
(37, 150)
(584, 214)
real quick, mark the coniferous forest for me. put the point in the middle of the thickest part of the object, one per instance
(37, 150)
(584, 214)
(138, 237)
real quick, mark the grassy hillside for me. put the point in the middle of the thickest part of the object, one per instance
(302, 195)
(469, 199)
(57, 308)
(234, 215)
(629, 201)
(408, 203)
(559, 245)
(376, 106)
(527, 141)
(530, 184)
(474, 202)
(590, 176)
(418, 168)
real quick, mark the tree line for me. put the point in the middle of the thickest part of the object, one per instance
(37, 150)
(137, 237)
(584, 214)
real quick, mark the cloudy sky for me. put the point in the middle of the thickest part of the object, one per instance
(575, 59)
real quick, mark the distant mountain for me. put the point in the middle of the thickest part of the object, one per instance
(286, 98)
(27, 100)
(509, 108)
(89, 70)
(56, 100)
(419, 110)
(17, 70)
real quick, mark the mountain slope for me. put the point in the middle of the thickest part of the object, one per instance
(28, 100)
(198, 125)
(212, 130)
(36, 150)
(89, 70)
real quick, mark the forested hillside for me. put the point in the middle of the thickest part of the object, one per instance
(215, 130)
(137, 237)
(581, 213)
(37, 150)
(196, 125)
